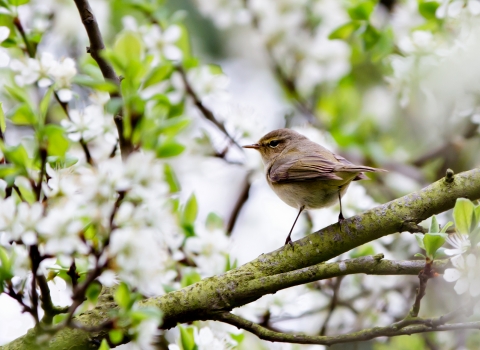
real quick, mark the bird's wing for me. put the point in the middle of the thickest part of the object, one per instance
(293, 167)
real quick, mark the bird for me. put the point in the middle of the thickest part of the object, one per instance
(304, 174)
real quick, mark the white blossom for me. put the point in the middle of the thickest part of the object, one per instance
(208, 250)
(459, 242)
(163, 42)
(86, 124)
(466, 274)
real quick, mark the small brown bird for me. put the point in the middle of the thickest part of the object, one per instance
(304, 174)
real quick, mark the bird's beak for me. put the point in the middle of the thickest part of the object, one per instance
(254, 146)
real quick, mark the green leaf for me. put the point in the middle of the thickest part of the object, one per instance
(18, 2)
(57, 162)
(158, 74)
(122, 296)
(116, 336)
(18, 156)
(345, 31)
(432, 242)
(362, 11)
(420, 255)
(434, 226)
(186, 336)
(173, 126)
(17, 93)
(128, 48)
(45, 103)
(93, 291)
(190, 211)
(3, 125)
(446, 227)
(104, 345)
(238, 337)
(171, 179)
(57, 319)
(57, 142)
(213, 222)
(22, 115)
(419, 237)
(428, 9)
(99, 85)
(370, 36)
(170, 148)
(190, 278)
(463, 213)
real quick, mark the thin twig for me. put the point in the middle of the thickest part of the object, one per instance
(241, 200)
(28, 45)
(333, 304)
(95, 49)
(366, 334)
(207, 113)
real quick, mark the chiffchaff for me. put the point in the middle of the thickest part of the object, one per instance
(304, 174)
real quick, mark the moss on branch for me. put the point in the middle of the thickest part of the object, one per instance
(286, 266)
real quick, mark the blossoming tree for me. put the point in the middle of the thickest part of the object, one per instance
(130, 216)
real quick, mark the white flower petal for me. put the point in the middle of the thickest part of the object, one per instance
(65, 95)
(451, 275)
(461, 286)
(471, 261)
(4, 58)
(172, 34)
(4, 33)
(475, 287)
(455, 8)
(474, 7)
(172, 52)
(458, 262)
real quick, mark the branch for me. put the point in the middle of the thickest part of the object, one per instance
(95, 49)
(366, 334)
(207, 113)
(286, 267)
(332, 306)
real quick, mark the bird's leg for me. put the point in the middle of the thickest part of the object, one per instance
(340, 216)
(289, 240)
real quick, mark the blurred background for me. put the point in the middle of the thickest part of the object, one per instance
(390, 84)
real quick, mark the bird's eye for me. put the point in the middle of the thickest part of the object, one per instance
(273, 143)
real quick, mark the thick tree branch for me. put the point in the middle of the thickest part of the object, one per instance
(366, 334)
(95, 49)
(287, 267)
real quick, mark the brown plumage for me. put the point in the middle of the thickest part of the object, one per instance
(304, 174)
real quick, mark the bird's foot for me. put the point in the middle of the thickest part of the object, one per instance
(289, 241)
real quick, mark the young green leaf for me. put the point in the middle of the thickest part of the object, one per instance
(362, 11)
(463, 213)
(446, 227)
(434, 226)
(122, 296)
(345, 31)
(3, 125)
(186, 337)
(104, 345)
(419, 237)
(432, 242)
(191, 210)
(116, 336)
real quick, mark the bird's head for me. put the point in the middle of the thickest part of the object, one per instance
(274, 143)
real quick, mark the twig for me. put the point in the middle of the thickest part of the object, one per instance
(95, 49)
(366, 334)
(28, 46)
(43, 162)
(241, 200)
(286, 81)
(207, 113)
(73, 274)
(333, 304)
